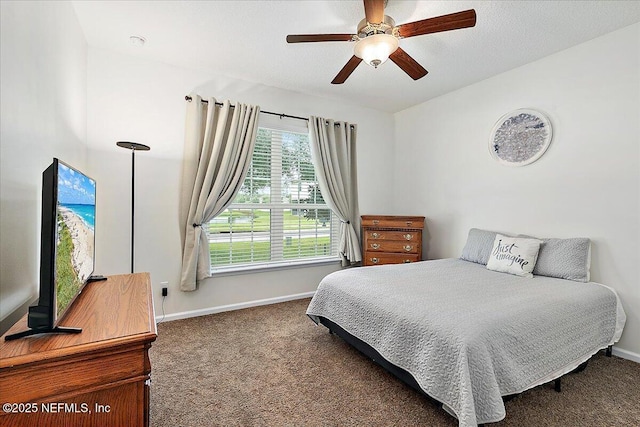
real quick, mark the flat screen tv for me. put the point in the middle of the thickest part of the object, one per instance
(67, 247)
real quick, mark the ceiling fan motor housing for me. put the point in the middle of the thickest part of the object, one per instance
(365, 29)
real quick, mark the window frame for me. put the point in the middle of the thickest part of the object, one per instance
(281, 124)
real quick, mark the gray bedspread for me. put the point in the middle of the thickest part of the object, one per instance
(469, 335)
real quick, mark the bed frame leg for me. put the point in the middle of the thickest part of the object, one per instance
(557, 385)
(581, 367)
(609, 351)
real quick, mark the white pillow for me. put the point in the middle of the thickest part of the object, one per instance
(514, 255)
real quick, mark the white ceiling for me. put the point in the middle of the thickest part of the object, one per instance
(246, 40)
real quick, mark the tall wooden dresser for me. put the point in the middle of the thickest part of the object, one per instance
(391, 239)
(99, 377)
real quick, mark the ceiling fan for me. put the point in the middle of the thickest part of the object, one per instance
(377, 38)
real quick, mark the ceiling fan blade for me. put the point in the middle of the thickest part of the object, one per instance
(310, 38)
(408, 64)
(452, 21)
(374, 11)
(346, 70)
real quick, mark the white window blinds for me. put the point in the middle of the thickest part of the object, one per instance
(279, 215)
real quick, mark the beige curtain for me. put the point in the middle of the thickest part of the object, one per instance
(219, 142)
(333, 151)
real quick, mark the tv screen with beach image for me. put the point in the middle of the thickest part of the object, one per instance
(76, 211)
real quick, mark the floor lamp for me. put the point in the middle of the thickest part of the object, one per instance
(133, 146)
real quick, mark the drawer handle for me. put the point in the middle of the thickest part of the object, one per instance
(407, 261)
(409, 223)
(375, 260)
(376, 221)
(408, 248)
(375, 235)
(375, 246)
(408, 236)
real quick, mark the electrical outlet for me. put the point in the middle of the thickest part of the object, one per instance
(164, 288)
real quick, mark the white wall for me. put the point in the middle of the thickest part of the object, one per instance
(587, 183)
(142, 101)
(43, 102)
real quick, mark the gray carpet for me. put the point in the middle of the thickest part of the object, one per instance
(271, 366)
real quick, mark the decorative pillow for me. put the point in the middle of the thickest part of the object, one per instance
(514, 255)
(565, 259)
(478, 246)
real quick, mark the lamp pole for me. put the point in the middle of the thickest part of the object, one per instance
(133, 146)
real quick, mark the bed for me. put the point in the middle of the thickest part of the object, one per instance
(465, 335)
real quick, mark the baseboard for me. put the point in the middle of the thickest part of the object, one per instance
(626, 354)
(231, 307)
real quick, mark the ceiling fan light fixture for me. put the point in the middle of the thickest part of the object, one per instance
(375, 49)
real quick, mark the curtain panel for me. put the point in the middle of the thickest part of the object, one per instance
(218, 147)
(333, 152)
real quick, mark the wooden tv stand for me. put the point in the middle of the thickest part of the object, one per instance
(99, 377)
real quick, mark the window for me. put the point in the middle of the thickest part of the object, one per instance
(279, 216)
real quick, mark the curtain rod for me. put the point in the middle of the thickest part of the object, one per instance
(281, 115)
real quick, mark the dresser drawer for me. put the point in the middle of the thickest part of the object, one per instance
(405, 236)
(392, 246)
(386, 258)
(393, 222)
